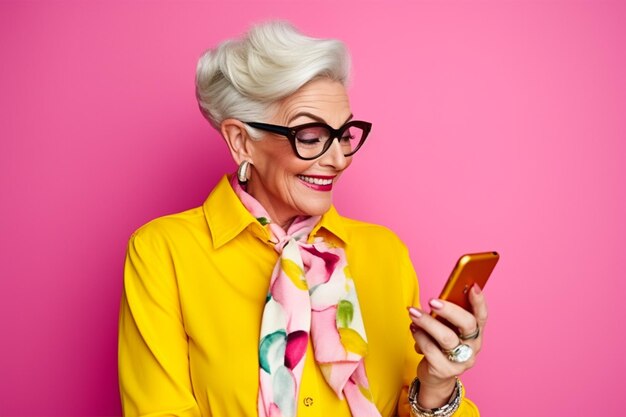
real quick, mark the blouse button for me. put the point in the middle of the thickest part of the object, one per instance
(308, 401)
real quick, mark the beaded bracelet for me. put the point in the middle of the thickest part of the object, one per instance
(444, 411)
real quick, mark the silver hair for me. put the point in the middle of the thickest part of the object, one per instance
(245, 78)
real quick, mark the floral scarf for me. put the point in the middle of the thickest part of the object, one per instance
(311, 291)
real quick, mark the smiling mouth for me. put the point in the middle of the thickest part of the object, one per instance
(316, 180)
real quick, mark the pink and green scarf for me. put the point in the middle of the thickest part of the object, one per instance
(311, 291)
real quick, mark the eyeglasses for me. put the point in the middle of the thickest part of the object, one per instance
(311, 140)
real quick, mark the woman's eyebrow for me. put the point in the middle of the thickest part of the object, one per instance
(314, 117)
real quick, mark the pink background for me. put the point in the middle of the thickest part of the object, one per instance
(497, 125)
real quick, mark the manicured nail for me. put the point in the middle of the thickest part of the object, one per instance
(413, 327)
(415, 312)
(476, 289)
(434, 303)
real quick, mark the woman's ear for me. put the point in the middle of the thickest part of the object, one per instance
(238, 140)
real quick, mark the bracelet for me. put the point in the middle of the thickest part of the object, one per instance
(444, 411)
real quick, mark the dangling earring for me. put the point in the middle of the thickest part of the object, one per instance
(242, 172)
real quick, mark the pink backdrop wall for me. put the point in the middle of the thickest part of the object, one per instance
(497, 125)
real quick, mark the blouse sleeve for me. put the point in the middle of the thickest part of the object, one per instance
(153, 357)
(467, 407)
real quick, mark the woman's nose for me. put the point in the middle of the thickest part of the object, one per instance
(334, 156)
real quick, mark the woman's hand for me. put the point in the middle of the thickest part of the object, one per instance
(436, 371)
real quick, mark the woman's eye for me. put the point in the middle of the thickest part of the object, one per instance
(308, 141)
(346, 137)
(311, 136)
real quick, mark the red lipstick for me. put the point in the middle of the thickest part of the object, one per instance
(318, 182)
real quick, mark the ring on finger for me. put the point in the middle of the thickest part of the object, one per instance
(461, 353)
(473, 335)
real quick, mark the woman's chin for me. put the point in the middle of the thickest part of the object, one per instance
(316, 208)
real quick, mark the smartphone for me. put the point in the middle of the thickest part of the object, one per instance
(470, 269)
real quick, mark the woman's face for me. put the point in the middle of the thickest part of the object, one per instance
(281, 181)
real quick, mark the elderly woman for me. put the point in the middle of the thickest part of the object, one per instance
(265, 301)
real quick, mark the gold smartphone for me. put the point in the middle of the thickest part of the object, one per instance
(470, 269)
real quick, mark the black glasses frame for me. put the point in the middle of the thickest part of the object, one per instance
(291, 132)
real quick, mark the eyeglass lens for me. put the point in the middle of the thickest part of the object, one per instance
(313, 141)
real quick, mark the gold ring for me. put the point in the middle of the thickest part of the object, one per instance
(461, 353)
(472, 336)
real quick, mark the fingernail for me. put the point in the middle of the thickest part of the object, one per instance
(413, 327)
(434, 303)
(415, 312)
(476, 289)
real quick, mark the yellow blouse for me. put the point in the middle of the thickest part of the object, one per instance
(194, 289)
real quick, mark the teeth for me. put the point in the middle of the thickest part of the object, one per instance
(317, 181)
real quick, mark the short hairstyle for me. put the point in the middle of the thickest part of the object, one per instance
(245, 78)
